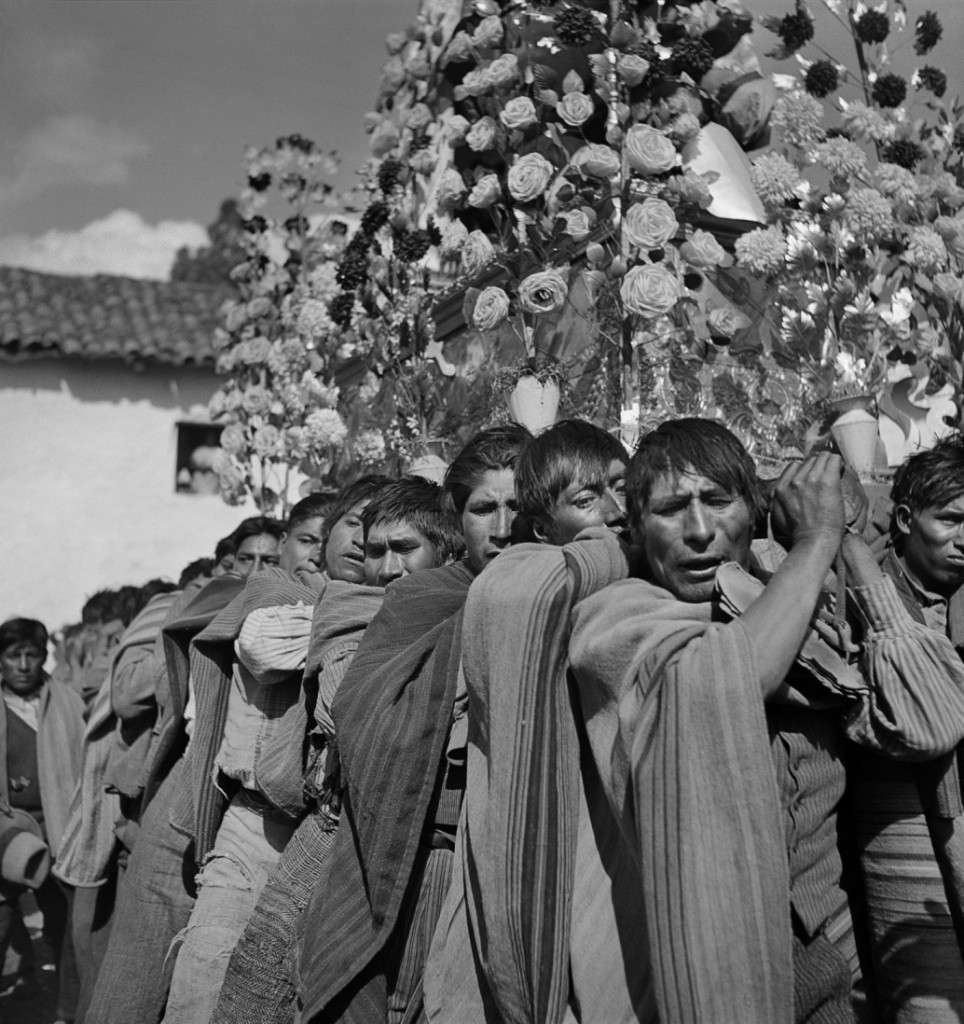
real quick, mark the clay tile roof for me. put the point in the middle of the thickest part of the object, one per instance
(106, 317)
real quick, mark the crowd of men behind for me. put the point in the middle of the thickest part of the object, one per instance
(574, 737)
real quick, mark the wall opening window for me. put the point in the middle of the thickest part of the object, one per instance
(197, 444)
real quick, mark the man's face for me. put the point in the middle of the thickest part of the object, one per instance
(301, 547)
(393, 550)
(487, 517)
(583, 505)
(933, 544)
(225, 564)
(345, 550)
(254, 553)
(689, 527)
(21, 667)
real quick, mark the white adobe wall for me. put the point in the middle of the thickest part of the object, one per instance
(87, 468)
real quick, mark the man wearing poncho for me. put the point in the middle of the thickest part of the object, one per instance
(640, 840)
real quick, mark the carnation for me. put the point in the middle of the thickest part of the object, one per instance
(419, 116)
(488, 32)
(369, 447)
(872, 27)
(576, 26)
(295, 443)
(650, 224)
(925, 249)
(868, 214)
(841, 158)
(318, 392)
(889, 90)
(542, 292)
(762, 251)
(477, 252)
(896, 182)
(867, 122)
(692, 188)
(800, 119)
(325, 428)
(684, 128)
(288, 357)
(775, 179)
(821, 78)
(454, 235)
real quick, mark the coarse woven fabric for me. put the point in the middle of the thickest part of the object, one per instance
(258, 986)
(211, 665)
(249, 844)
(177, 635)
(154, 902)
(60, 737)
(674, 725)
(397, 700)
(522, 861)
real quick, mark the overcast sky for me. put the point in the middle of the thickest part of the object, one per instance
(123, 123)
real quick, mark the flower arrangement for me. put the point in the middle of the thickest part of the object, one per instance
(865, 236)
(279, 344)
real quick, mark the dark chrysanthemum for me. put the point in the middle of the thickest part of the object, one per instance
(959, 138)
(873, 27)
(259, 182)
(889, 91)
(255, 225)
(928, 32)
(933, 79)
(903, 152)
(411, 246)
(692, 57)
(353, 269)
(795, 30)
(389, 175)
(821, 78)
(340, 308)
(839, 133)
(575, 26)
(374, 217)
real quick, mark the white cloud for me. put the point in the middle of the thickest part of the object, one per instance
(121, 243)
(71, 149)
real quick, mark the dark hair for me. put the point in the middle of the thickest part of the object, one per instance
(692, 444)
(492, 449)
(930, 478)
(362, 489)
(99, 608)
(255, 527)
(225, 546)
(198, 569)
(319, 504)
(570, 451)
(20, 631)
(423, 505)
